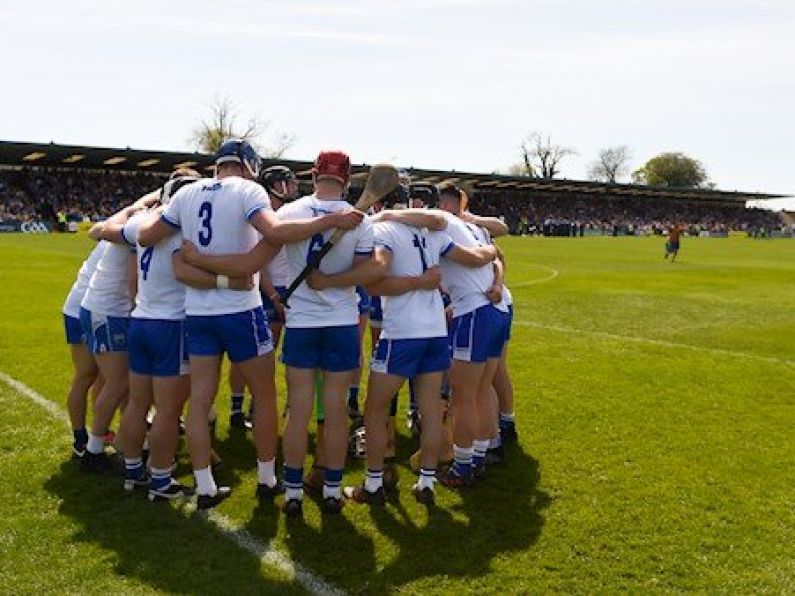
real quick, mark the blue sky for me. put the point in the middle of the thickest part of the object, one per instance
(426, 83)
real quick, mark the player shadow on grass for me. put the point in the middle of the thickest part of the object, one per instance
(163, 546)
(502, 514)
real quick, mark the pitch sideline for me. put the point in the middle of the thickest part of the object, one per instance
(266, 553)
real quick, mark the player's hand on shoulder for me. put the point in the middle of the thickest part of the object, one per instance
(494, 294)
(431, 279)
(241, 283)
(347, 219)
(189, 251)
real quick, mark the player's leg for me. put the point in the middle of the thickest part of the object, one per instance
(487, 416)
(85, 375)
(381, 388)
(313, 481)
(504, 388)
(428, 388)
(339, 356)
(300, 396)
(132, 430)
(237, 390)
(170, 395)
(113, 366)
(354, 411)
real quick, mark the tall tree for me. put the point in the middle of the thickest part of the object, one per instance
(221, 124)
(541, 156)
(672, 169)
(611, 164)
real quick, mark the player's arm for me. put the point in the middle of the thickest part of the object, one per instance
(285, 232)
(470, 257)
(395, 285)
(155, 230)
(494, 293)
(112, 228)
(366, 270)
(235, 264)
(204, 280)
(417, 218)
(494, 225)
(132, 279)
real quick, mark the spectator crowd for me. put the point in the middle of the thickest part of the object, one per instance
(85, 195)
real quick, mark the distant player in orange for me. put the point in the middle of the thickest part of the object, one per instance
(672, 246)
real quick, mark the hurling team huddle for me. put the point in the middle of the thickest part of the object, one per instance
(205, 267)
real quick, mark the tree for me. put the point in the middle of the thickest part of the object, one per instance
(612, 164)
(541, 156)
(520, 169)
(221, 125)
(672, 169)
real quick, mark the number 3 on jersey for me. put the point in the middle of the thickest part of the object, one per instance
(206, 214)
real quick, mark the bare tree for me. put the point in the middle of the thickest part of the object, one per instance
(612, 164)
(221, 125)
(540, 155)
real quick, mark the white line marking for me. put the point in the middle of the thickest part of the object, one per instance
(266, 553)
(657, 342)
(553, 273)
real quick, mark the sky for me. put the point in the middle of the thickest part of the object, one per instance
(445, 84)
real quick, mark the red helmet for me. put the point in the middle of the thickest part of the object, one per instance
(333, 164)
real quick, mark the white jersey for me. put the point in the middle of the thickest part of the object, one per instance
(484, 237)
(417, 314)
(71, 306)
(213, 215)
(109, 288)
(160, 296)
(279, 269)
(334, 306)
(467, 286)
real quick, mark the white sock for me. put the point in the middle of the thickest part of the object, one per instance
(205, 484)
(427, 478)
(293, 493)
(480, 447)
(495, 442)
(95, 444)
(374, 480)
(463, 455)
(334, 492)
(266, 472)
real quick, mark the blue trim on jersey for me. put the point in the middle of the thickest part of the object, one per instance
(127, 240)
(254, 209)
(365, 252)
(448, 248)
(163, 218)
(386, 246)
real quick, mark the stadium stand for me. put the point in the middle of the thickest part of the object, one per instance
(40, 182)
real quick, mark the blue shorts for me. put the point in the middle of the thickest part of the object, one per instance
(410, 357)
(242, 335)
(509, 326)
(479, 335)
(270, 310)
(364, 301)
(672, 246)
(158, 348)
(376, 313)
(335, 349)
(74, 330)
(103, 333)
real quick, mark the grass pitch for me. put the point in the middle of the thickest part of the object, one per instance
(655, 404)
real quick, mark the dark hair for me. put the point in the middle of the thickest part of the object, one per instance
(448, 188)
(184, 173)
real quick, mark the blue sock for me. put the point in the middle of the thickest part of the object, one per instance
(462, 464)
(134, 468)
(81, 437)
(237, 402)
(160, 479)
(332, 483)
(353, 398)
(293, 482)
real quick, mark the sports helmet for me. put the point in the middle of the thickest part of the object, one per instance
(239, 151)
(275, 174)
(333, 164)
(171, 187)
(425, 192)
